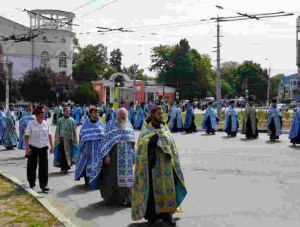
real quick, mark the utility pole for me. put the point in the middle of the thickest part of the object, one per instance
(268, 87)
(268, 82)
(8, 74)
(240, 17)
(218, 72)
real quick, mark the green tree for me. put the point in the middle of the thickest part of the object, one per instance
(89, 63)
(226, 90)
(116, 59)
(134, 71)
(109, 70)
(184, 68)
(253, 77)
(38, 85)
(14, 90)
(274, 85)
(160, 58)
(206, 77)
(229, 73)
(84, 94)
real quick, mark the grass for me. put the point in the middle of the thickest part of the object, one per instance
(261, 114)
(262, 120)
(18, 208)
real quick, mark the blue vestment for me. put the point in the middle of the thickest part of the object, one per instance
(125, 140)
(26, 118)
(175, 117)
(131, 115)
(295, 125)
(140, 118)
(2, 124)
(210, 112)
(10, 137)
(189, 116)
(66, 141)
(90, 139)
(274, 114)
(76, 114)
(233, 115)
(110, 114)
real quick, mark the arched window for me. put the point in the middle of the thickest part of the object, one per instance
(62, 60)
(45, 58)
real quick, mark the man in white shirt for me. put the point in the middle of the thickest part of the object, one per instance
(37, 139)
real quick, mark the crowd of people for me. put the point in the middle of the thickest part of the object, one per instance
(108, 157)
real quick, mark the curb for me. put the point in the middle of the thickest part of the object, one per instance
(41, 199)
(260, 131)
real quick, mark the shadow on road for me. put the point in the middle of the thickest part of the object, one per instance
(228, 137)
(98, 209)
(14, 159)
(247, 140)
(295, 147)
(205, 134)
(145, 224)
(75, 190)
(58, 174)
(272, 142)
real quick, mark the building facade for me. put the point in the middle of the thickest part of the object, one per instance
(119, 88)
(52, 45)
(289, 87)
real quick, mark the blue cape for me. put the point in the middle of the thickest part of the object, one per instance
(140, 117)
(26, 117)
(113, 135)
(2, 125)
(274, 113)
(210, 112)
(295, 125)
(234, 117)
(90, 138)
(189, 115)
(176, 114)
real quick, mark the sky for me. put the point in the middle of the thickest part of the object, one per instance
(273, 38)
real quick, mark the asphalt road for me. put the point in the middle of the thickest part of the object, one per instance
(230, 181)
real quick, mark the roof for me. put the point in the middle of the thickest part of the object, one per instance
(13, 22)
(286, 79)
(52, 11)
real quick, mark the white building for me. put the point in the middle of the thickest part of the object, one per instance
(52, 46)
(289, 87)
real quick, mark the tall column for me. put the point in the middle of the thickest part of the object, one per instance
(298, 45)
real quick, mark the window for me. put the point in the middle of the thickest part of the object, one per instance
(62, 60)
(294, 82)
(45, 58)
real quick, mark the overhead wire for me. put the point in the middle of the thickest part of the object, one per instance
(99, 8)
